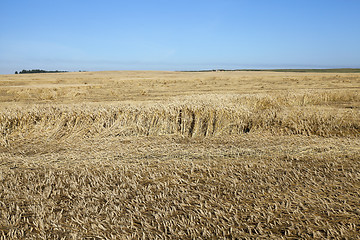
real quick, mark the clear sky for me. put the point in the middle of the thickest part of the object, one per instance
(93, 35)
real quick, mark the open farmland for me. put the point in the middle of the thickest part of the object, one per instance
(180, 155)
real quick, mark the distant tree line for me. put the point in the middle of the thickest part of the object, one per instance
(37, 71)
(326, 70)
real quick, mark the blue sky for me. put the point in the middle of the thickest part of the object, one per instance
(178, 35)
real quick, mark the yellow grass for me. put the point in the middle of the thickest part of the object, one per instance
(174, 155)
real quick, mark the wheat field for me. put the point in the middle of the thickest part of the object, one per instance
(180, 155)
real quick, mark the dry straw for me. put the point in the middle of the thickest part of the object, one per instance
(205, 115)
(269, 165)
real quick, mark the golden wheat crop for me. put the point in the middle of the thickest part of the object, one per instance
(169, 155)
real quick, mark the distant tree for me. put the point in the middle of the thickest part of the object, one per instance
(39, 71)
(16, 72)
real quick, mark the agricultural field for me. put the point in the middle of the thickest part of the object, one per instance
(180, 155)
